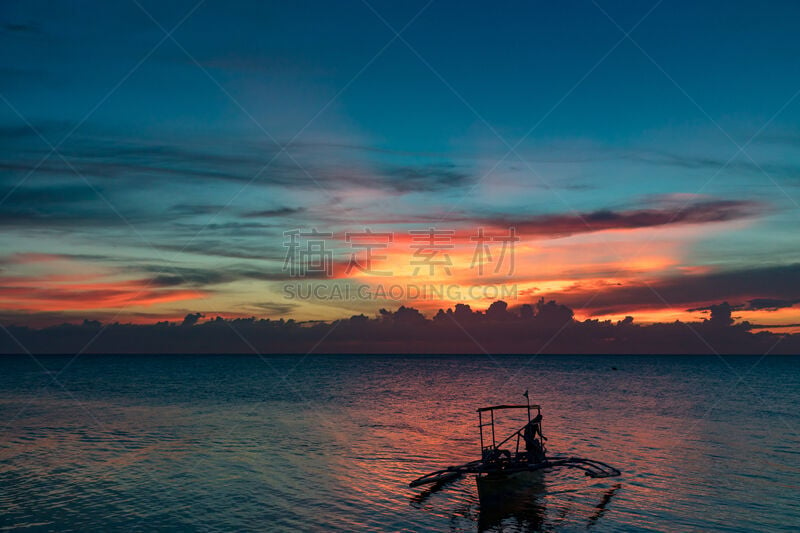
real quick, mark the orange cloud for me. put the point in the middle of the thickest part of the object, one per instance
(52, 294)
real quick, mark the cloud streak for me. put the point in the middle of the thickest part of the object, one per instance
(568, 224)
(310, 165)
(747, 289)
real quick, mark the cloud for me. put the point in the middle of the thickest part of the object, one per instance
(27, 258)
(277, 212)
(752, 288)
(199, 278)
(21, 28)
(528, 329)
(197, 209)
(275, 308)
(714, 164)
(564, 225)
(224, 248)
(42, 294)
(667, 211)
(32, 197)
(172, 276)
(769, 304)
(130, 163)
(757, 304)
(55, 206)
(427, 178)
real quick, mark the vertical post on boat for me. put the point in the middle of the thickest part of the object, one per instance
(494, 442)
(480, 427)
(528, 398)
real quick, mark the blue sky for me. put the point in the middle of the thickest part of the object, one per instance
(473, 114)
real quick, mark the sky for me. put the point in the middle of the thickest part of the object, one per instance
(158, 159)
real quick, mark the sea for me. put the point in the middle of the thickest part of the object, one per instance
(331, 442)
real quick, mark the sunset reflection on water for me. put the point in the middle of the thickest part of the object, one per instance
(223, 443)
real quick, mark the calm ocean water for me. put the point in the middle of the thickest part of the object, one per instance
(324, 443)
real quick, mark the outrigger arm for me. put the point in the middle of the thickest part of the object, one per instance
(592, 468)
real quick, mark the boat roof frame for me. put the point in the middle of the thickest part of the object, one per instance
(508, 406)
(490, 410)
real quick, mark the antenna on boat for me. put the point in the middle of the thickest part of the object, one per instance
(528, 398)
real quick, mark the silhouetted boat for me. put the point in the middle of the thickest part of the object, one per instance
(501, 471)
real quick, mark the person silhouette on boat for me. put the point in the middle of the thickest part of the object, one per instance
(533, 445)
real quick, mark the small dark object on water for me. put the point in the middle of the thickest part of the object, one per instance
(613, 368)
(498, 470)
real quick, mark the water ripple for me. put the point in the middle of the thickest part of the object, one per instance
(221, 443)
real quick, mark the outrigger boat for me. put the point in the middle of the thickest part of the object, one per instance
(499, 470)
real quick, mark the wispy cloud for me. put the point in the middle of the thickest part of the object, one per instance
(274, 213)
(567, 224)
(750, 288)
(133, 163)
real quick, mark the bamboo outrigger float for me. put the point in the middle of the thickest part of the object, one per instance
(499, 469)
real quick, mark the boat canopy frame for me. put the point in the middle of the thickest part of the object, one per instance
(485, 447)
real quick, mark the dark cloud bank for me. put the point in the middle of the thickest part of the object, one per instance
(530, 329)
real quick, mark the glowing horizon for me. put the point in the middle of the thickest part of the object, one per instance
(169, 191)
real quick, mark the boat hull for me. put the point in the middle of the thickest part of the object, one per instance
(497, 488)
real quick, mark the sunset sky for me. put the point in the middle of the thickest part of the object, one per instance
(153, 155)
